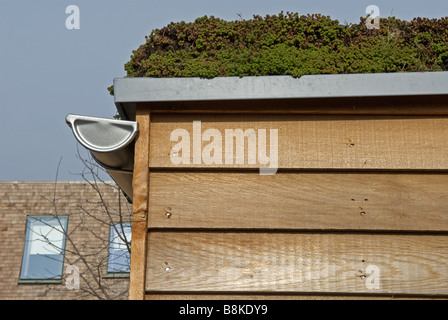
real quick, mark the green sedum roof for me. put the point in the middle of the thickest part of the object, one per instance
(290, 44)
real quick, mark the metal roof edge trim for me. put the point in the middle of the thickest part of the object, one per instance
(280, 87)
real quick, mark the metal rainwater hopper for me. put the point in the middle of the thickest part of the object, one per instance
(111, 144)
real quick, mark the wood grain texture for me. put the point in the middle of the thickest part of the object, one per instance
(299, 201)
(319, 141)
(251, 297)
(140, 185)
(140, 181)
(396, 105)
(296, 263)
(137, 274)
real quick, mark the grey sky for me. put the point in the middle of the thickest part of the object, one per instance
(48, 71)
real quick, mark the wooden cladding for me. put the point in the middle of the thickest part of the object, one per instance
(288, 262)
(402, 105)
(299, 201)
(140, 185)
(352, 193)
(312, 141)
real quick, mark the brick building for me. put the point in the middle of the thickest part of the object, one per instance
(46, 264)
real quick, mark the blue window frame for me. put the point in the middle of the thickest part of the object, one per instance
(43, 254)
(119, 256)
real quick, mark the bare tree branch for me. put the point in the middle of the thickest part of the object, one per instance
(92, 222)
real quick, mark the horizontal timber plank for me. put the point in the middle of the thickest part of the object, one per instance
(238, 296)
(396, 105)
(299, 201)
(308, 141)
(300, 263)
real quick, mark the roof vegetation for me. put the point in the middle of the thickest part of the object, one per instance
(290, 44)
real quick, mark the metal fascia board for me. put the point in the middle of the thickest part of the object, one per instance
(280, 87)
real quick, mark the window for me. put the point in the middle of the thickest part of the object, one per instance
(43, 255)
(119, 257)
